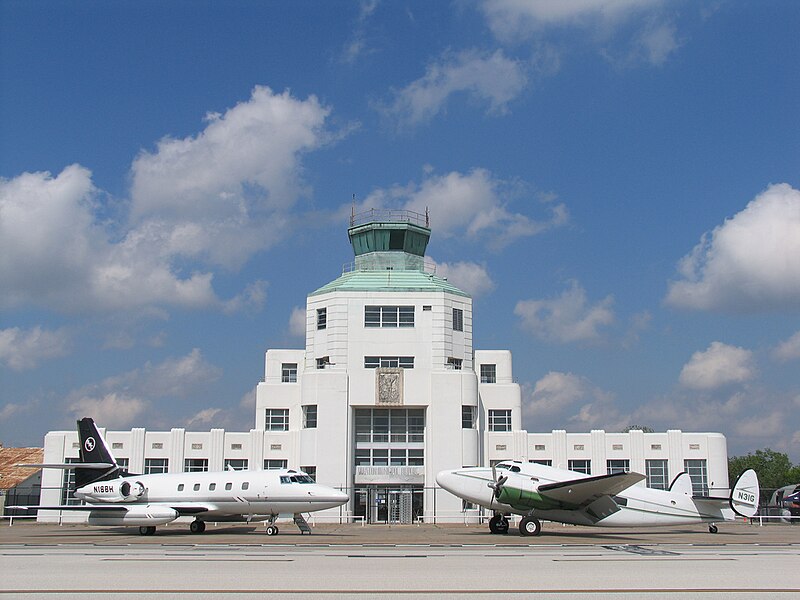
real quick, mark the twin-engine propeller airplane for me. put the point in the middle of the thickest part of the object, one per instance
(540, 492)
(115, 497)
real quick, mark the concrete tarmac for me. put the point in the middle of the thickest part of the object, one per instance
(426, 561)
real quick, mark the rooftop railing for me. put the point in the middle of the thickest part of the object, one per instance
(390, 216)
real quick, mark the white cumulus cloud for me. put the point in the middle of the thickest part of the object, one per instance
(567, 318)
(467, 276)
(494, 79)
(788, 349)
(23, 349)
(750, 263)
(718, 366)
(297, 322)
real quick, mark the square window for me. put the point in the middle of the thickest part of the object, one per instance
(488, 373)
(235, 464)
(454, 363)
(245, 485)
(212, 487)
(196, 487)
(276, 419)
(289, 373)
(180, 487)
(228, 486)
(580, 465)
(499, 420)
(621, 465)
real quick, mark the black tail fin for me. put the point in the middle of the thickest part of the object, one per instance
(93, 449)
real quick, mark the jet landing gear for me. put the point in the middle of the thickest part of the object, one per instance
(272, 529)
(498, 524)
(147, 530)
(713, 528)
(530, 526)
(197, 526)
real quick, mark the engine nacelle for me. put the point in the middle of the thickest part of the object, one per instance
(115, 490)
(145, 514)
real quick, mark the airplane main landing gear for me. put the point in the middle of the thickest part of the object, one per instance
(272, 530)
(197, 526)
(147, 530)
(713, 528)
(530, 526)
(498, 524)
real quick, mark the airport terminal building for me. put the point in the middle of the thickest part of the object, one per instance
(389, 391)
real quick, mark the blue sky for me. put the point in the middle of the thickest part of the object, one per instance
(615, 182)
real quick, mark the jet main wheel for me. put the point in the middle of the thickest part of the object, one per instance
(498, 524)
(530, 526)
(197, 526)
(147, 530)
(712, 528)
(272, 530)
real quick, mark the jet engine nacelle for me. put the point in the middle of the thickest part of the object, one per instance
(133, 516)
(115, 490)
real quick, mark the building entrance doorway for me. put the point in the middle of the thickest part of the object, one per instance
(388, 503)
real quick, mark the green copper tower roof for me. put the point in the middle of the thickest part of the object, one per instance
(389, 247)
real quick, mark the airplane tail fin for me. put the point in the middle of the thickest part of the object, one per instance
(682, 484)
(93, 450)
(745, 494)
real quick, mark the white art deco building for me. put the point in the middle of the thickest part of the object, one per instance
(388, 391)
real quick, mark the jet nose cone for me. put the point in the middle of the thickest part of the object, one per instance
(341, 497)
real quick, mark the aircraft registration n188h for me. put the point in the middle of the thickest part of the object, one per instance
(541, 492)
(115, 497)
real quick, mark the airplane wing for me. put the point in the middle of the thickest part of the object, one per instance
(577, 493)
(181, 509)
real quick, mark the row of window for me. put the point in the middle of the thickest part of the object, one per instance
(289, 370)
(393, 457)
(277, 419)
(499, 419)
(390, 316)
(383, 425)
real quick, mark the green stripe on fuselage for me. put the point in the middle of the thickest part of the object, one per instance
(525, 500)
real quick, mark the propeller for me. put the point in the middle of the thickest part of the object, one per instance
(497, 483)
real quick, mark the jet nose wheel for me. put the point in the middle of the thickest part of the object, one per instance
(197, 526)
(530, 526)
(147, 530)
(272, 530)
(712, 528)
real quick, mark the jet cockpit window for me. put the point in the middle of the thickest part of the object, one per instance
(514, 469)
(286, 479)
(504, 465)
(301, 479)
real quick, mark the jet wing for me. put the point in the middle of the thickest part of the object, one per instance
(108, 507)
(576, 493)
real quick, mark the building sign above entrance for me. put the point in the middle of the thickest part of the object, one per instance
(368, 474)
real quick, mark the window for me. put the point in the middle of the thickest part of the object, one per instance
(276, 419)
(68, 484)
(388, 316)
(235, 464)
(454, 363)
(580, 465)
(180, 487)
(289, 373)
(458, 319)
(197, 446)
(539, 448)
(402, 362)
(123, 463)
(394, 457)
(322, 318)
(310, 471)
(245, 485)
(656, 472)
(274, 463)
(194, 465)
(655, 446)
(382, 425)
(616, 446)
(578, 447)
(157, 446)
(500, 420)
(323, 362)
(618, 465)
(236, 446)
(310, 416)
(196, 487)
(699, 473)
(212, 487)
(116, 446)
(228, 486)
(467, 417)
(547, 462)
(155, 465)
(488, 373)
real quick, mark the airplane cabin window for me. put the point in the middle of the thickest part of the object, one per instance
(180, 487)
(196, 487)
(228, 486)
(245, 485)
(285, 479)
(212, 486)
(515, 469)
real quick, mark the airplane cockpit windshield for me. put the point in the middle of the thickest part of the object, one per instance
(508, 466)
(296, 479)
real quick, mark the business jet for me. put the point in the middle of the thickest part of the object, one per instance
(115, 497)
(541, 492)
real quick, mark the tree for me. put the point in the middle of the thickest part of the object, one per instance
(774, 469)
(644, 428)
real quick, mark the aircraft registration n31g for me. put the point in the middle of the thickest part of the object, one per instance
(115, 497)
(539, 492)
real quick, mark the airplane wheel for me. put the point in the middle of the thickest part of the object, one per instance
(712, 528)
(498, 524)
(530, 526)
(197, 526)
(272, 530)
(147, 530)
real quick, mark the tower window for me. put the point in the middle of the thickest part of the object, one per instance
(500, 420)
(402, 362)
(289, 373)
(310, 416)
(458, 319)
(276, 419)
(488, 373)
(454, 363)
(467, 417)
(322, 318)
(388, 316)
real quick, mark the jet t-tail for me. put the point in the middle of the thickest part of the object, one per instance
(539, 492)
(114, 497)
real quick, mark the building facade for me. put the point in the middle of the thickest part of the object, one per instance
(389, 391)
